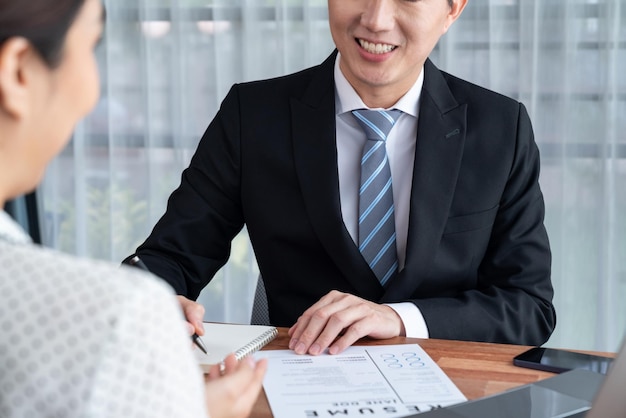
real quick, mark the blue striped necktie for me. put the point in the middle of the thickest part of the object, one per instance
(377, 232)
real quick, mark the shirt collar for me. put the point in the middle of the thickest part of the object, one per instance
(11, 231)
(347, 99)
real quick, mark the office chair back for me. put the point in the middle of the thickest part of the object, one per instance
(260, 312)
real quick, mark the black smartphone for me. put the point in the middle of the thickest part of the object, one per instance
(557, 361)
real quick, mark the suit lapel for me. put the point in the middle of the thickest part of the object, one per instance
(439, 148)
(315, 154)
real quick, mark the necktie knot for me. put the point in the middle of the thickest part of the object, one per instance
(376, 123)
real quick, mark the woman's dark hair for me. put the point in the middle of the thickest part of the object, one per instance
(44, 23)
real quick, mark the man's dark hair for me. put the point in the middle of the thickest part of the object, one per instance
(44, 23)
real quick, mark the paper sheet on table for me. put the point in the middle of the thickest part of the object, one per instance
(390, 381)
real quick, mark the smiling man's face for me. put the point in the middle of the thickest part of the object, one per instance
(384, 43)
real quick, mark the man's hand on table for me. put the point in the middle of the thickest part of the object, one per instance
(345, 316)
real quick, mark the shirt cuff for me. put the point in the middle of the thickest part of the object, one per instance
(412, 318)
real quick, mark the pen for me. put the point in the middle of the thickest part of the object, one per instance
(196, 339)
(137, 262)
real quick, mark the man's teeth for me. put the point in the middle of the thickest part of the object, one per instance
(373, 48)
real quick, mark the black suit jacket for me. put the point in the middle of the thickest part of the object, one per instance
(478, 258)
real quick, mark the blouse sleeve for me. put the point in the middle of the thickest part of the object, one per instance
(147, 368)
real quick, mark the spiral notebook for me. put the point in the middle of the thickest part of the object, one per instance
(222, 339)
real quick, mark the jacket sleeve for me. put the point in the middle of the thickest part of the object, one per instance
(192, 240)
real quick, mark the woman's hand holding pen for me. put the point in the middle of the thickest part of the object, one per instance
(233, 392)
(194, 313)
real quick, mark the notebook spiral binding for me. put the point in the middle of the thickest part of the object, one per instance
(256, 344)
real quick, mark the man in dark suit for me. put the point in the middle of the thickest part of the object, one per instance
(283, 157)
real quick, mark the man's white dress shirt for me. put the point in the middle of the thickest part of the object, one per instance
(400, 145)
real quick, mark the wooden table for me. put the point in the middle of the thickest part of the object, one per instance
(478, 369)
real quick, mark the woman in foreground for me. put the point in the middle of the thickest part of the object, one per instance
(81, 337)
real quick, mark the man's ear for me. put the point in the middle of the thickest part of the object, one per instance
(455, 11)
(14, 55)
